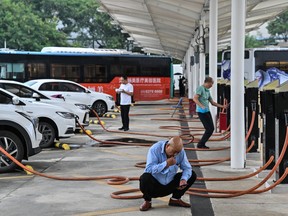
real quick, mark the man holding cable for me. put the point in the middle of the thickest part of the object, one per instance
(161, 176)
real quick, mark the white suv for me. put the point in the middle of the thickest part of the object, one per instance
(23, 91)
(100, 102)
(19, 136)
(54, 122)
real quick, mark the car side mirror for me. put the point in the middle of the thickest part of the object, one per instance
(17, 101)
(36, 96)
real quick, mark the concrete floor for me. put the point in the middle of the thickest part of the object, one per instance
(22, 194)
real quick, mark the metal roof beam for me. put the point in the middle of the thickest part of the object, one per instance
(170, 8)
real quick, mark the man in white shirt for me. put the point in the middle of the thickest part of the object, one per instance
(126, 92)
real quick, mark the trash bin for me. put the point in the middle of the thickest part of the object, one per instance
(222, 121)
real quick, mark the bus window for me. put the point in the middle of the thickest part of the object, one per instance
(70, 72)
(95, 73)
(130, 70)
(3, 71)
(36, 70)
(116, 70)
(153, 68)
(227, 55)
(12, 71)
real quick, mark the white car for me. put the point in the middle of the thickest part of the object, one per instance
(100, 102)
(23, 91)
(19, 135)
(54, 122)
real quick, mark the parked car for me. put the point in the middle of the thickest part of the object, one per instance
(19, 135)
(23, 91)
(100, 102)
(54, 122)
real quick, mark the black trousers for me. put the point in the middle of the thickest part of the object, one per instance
(207, 122)
(125, 116)
(151, 188)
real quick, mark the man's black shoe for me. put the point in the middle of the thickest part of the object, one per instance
(122, 128)
(202, 146)
(126, 129)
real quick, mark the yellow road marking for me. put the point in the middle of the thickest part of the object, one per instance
(118, 210)
(122, 210)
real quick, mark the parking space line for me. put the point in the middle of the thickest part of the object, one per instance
(15, 177)
(124, 154)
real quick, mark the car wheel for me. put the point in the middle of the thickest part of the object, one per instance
(11, 143)
(100, 107)
(48, 134)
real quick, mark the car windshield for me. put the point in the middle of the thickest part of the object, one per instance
(21, 91)
(30, 83)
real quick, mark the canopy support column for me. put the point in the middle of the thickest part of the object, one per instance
(213, 42)
(202, 58)
(190, 72)
(238, 152)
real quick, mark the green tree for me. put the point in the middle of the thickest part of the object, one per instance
(81, 21)
(279, 26)
(23, 30)
(252, 42)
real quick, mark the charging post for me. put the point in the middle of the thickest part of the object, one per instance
(281, 123)
(251, 104)
(268, 121)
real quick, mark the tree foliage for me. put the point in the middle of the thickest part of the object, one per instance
(80, 20)
(24, 30)
(252, 42)
(279, 26)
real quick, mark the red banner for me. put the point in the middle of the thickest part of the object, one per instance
(145, 88)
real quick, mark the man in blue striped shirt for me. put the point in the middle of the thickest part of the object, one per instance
(161, 176)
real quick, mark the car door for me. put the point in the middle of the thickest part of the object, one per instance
(75, 92)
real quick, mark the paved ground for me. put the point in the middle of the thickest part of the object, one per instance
(22, 194)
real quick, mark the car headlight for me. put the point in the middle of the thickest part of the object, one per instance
(66, 115)
(82, 106)
(110, 98)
